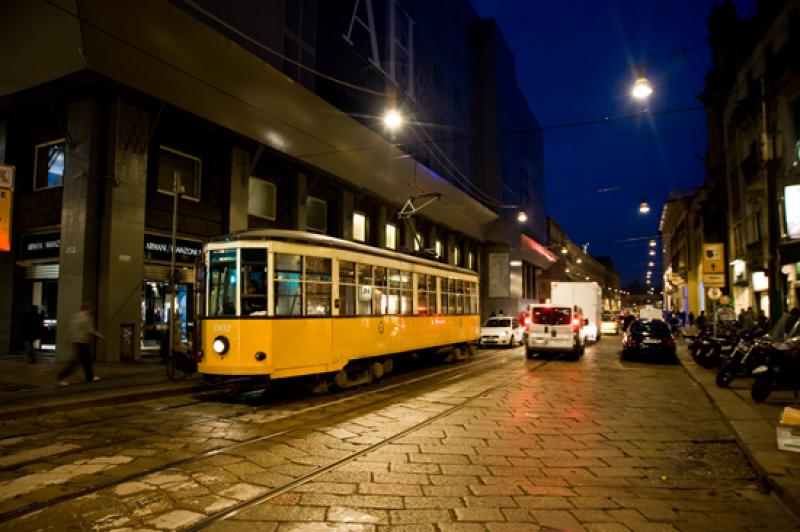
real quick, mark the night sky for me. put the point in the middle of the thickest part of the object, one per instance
(573, 64)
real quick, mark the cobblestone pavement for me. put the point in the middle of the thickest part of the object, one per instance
(517, 445)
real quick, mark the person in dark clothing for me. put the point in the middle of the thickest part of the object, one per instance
(31, 330)
(701, 319)
(691, 318)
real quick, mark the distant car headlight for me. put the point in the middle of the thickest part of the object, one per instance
(220, 345)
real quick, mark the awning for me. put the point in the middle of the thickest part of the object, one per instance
(534, 252)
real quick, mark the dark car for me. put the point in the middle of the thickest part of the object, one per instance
(648, 338)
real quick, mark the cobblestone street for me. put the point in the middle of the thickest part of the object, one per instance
(499, 443)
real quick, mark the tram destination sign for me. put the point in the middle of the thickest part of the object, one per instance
(159, 247)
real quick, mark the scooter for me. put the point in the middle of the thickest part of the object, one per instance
(781, 369)
(748, 354)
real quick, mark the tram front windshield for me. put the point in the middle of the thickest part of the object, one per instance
(222, 283)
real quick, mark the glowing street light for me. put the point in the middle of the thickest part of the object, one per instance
(652, 253)
(651, 264)
(393, 120)
(641, 88)
(644, 207)
(522, 217)
(564, 250)
(578, 260)
(652, 243)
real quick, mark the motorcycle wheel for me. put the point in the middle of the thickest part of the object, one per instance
(761, 389)
(725, 375)
(705, 358)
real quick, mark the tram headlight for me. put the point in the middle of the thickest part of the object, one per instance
(220, 345)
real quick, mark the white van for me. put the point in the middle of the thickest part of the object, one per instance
(554, 329)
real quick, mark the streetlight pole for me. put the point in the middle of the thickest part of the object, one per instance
(176, 191)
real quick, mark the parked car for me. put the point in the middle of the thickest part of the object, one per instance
(554, 329)
(650, 338)
(501, 330)
(609, 323)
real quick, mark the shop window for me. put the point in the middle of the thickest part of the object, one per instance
(316, 214)
(49, 165)
(262, 199)
(288, 293)
(254, 282)
(391, 236)
(188, 168)
(359, 227)
(347, 288)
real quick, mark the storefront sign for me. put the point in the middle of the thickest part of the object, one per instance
(158, 247)
(6, 206)
(791, 198)
(40, 246)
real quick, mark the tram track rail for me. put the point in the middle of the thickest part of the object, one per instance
(319, 471)
(458, 372)
(353, 394)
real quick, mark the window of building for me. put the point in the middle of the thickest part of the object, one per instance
(391, 236)
(187, 167)
(438, 249)
(470, 260)
(262, 199)
(359, 227)
(49, 164)
(316, 214)
(456, 255)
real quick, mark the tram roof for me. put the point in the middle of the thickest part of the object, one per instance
(333, 242)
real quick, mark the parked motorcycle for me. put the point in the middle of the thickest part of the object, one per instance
(744, 358)
(781, 367)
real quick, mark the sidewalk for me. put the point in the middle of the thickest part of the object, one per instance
(33, 389)
(755, 429)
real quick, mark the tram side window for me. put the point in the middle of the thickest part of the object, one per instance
(443, 296)
(379, 295)
(393, 293)
(470, 298)
(430, 286)
(222, 283)
(406, 293)
(459, 296)
(347, 288)
(422, 295)
(364, 305)
(451, 296)
(288, 293)
(318, 286)
(254, 282)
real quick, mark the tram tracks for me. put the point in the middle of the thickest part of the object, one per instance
(399, 389)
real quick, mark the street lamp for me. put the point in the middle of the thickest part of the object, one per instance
(641, 88)
(652, 253)
(564, 250)
(522, 217)
(578, 260)
(644, 207)
(651, 264)
(393, 120)
(652, 243)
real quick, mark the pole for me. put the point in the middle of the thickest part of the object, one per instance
(176, 185)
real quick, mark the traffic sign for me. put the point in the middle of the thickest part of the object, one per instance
(713, 258)
(714, 279)
(714, 293)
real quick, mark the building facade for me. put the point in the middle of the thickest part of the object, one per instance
(752, 99)
(259, 115)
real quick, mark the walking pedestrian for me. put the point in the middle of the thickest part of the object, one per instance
(31, 330)
(81, 327)
(691, 318)
(701, 319)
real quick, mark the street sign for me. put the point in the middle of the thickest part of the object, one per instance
(714, 293)
(726, 314)
(6, 203)
(713, 258)
(714, 279)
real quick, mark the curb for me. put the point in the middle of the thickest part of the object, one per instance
(96, 399)
(774, 483)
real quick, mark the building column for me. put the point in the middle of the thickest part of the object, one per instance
(77, 281)
(6, 271)
(300, 194)
(240, 190)
(450, 248)
(119, 296)
(347, 202)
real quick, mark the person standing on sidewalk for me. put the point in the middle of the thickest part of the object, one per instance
(81, 327)
(30, 331)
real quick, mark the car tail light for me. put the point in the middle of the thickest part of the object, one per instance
(576, 324)
(527, 320)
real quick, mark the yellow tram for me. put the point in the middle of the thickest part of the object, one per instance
(284, 304)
